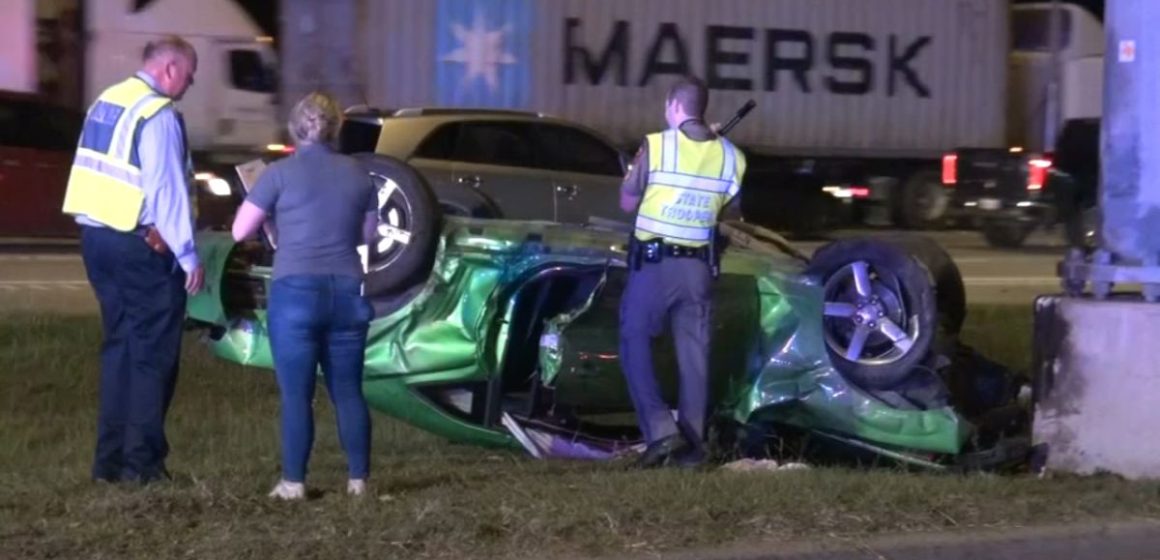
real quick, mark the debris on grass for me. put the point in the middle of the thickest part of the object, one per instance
(763, 465)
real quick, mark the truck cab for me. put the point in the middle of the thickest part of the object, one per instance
(232, 104)
(1010, 192)
(230, 112)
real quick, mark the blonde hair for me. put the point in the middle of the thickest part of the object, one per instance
(315, 119)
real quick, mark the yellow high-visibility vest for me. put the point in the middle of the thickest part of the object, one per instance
(689, 182)
(105, 181)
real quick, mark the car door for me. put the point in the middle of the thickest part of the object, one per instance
(434, 158)
(586, 173)
(497, 158)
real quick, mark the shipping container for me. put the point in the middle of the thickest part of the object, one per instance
(860, 97)
(907, 78)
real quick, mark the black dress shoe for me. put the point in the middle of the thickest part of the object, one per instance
(660, 451)
(691, 458)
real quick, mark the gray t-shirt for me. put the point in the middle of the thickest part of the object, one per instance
(318, 200)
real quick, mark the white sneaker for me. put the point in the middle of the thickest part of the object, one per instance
(356, 487)
(286, 490)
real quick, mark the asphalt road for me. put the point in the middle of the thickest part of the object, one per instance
(54, 281)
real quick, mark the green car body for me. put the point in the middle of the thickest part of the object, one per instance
(517, 321)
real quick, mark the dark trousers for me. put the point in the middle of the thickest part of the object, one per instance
(142, 301)
(320, 321)
(676, 292)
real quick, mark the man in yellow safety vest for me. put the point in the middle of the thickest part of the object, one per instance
(681, 181)
(129, 191)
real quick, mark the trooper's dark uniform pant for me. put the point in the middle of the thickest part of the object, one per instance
(676, 291)
(142, 299)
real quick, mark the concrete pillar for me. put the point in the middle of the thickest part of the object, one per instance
(1130, 190)
(1097, 386)
(1129, 198)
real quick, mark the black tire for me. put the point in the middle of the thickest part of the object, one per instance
(950, 293)
(1005, 234)
(900, 300)
(393, 265)
(922, 201)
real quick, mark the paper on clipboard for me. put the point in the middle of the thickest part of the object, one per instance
(249, 172)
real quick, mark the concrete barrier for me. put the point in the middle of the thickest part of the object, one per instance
(1096, 386)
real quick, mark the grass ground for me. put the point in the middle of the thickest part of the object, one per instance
(433, 499)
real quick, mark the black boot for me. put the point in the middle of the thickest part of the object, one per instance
(659, 452)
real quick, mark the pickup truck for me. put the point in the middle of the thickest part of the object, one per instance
(1010, 193)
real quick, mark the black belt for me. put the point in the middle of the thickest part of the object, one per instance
(656, 250)
(140, 231)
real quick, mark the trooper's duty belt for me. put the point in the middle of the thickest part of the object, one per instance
(656, 250)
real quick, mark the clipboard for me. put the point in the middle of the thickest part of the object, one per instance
(249, 172)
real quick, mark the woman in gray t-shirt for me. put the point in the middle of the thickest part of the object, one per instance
(324, 205)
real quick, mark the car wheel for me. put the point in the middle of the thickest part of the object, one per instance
(880, 310)
(949, 292)
(924, 200)
(403, 249)
(1005, 234)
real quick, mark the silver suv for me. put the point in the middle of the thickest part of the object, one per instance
(495, 163)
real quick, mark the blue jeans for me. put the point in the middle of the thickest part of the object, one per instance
(320, 321)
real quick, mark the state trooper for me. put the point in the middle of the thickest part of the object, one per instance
(129, 191)
(681, 181)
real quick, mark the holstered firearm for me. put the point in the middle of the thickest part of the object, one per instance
(634, 253)
(154, 240)
(715, 253)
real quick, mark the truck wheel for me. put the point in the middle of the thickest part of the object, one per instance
(922, 202)
(403, 249)
(1005, 234)
(881, 313)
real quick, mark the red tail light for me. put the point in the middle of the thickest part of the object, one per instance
(1037, 169)
(950, 169)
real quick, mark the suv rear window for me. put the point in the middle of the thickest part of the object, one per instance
(491, 143)
(573, 150)
(440, 144)
(357, 136)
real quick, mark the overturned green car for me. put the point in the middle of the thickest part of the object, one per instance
(504, 333)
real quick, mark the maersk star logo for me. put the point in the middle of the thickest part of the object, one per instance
(481, 51)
